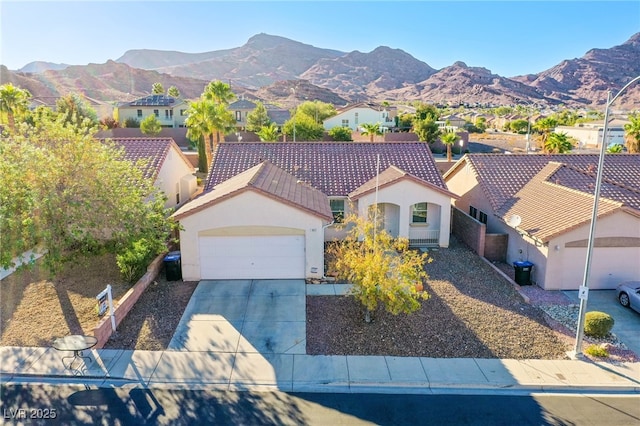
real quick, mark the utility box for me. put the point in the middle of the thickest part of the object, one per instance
(523, 272)
(173, 266)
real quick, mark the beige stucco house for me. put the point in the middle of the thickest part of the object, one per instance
(552, 198)
(354, 116)
(269, 208)
(170, 111)
(172, 172)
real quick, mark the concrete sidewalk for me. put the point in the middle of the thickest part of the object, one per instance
(312, 373)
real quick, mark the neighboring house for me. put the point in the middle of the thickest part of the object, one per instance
(240, 109)
(553, 197)
(172, 172)
(451, 120)
(590, 134)
(268, 209)
(171, 112)
(354, 116)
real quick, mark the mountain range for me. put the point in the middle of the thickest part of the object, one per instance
(268, 66)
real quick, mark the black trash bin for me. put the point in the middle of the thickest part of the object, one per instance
(523, 272)
(173, 266)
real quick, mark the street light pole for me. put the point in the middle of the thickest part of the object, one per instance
(583, 292)
(293, 90)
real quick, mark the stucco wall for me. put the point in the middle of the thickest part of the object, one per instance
(615, 257)
(169, 178)
(250, 209)
(406, 193)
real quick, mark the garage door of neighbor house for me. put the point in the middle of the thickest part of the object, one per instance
(609, 266)
(255, 257)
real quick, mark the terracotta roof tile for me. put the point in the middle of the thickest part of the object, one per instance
(270, 181)
(390, 175)
(549, 209)
(335, 168)
(151, 150)
(502, 176)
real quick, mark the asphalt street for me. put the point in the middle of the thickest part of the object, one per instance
(125, 405)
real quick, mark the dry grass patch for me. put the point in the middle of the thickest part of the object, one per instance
(36, 308)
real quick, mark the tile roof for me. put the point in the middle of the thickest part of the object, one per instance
(389, 176)
(554, 193)
(549, 209)
(152, 150)
(335, 168)
(242, 104)
(270, 181)
(502, 176)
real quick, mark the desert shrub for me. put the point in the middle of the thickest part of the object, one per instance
(135, 259)
(598, 324)
(597, 351)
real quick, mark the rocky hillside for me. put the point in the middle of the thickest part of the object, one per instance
(266, 65)
(370, 74)
(587, 79)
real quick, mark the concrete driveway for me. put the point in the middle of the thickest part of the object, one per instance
(244, 316)
(627, 321)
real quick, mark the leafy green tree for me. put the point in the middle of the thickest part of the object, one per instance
(370, 129)
(268, 133)
(449, 138)
(320, 111)
(74, 109)
(383, 270)
(218, 93)
(427, 111)
(519, 126)
(306, 128)
(502, 111)
(69, 194)
(258, 118)
(173, 92)
(157, 89)
(405, 121)
(131, 123)
(632, 133)
(427, 129)
(13, 100)
(151, 125)
(339, 133)
(558, 143)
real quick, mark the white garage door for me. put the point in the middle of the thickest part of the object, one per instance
(243, 257)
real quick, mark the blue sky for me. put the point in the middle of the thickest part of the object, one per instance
(507, 37)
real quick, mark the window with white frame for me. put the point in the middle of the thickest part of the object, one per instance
(337, 209)
(356, 119)
(139, 113)
(419, 213)
(345, 122)
(156, 113)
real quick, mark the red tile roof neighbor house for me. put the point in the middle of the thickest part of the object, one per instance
(268, 180)
(153, 151)
(335, 168)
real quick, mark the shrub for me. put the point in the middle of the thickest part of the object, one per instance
(133, 261)
(597, 324)
(597, 351)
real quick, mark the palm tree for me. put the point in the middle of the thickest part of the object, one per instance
(199, 127)
(632, 133)
(449, 138)
(13, 100)
(218, 92)
(372, 130)
(557, 143)
(545, 126)
(222, 121)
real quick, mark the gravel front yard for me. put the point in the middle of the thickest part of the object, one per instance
(473, 312)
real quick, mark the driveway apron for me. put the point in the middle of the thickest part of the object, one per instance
(244, 316)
